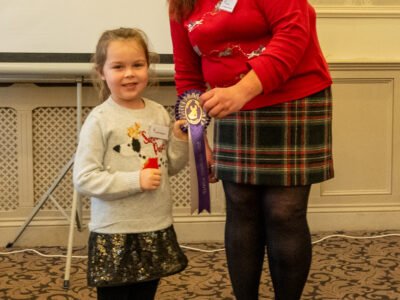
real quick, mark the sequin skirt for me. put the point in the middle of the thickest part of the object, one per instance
(287, 144)
(118, 259)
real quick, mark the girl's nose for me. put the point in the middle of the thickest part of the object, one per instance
(129, 72)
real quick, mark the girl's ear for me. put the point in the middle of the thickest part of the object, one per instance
(100, 72)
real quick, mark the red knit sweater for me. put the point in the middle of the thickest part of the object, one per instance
(275, 38)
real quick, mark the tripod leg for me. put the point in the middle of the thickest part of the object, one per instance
(42, 201)
(76, 203)
(70, 239)
(79, 222)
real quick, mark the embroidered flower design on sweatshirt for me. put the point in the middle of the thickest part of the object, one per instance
(229, 51)
(192, 25)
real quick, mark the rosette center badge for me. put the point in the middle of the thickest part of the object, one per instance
(193, 111)
(188, 107)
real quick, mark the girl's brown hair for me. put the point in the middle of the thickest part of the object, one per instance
(100, 56)
(180, 9)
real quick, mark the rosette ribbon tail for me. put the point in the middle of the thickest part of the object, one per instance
(200, 175)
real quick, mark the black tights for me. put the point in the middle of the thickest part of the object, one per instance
(136, 291)
(275, 217)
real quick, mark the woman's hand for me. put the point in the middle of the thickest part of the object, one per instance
(220, 102)
(210, 162)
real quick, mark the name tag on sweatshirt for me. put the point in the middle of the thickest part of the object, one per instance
(159, 131)
(228, 5)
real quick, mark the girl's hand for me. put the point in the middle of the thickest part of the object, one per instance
(177, 131)
(150, 179)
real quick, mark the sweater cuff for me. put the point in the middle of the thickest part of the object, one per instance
(134, 182)
(265, 73)
(177, 141)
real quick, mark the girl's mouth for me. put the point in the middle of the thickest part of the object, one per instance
(129, 84)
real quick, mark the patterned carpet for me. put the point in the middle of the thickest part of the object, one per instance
(342, 268)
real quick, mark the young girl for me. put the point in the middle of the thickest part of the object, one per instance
(126, 152)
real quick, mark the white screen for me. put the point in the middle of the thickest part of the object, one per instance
(74, 26)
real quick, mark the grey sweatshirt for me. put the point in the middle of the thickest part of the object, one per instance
(115, 143)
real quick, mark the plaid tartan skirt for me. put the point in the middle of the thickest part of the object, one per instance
(287, 144)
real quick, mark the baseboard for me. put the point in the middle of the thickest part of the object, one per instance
(197, 228)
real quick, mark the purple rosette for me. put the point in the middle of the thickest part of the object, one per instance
(188, 107)
(181, 108)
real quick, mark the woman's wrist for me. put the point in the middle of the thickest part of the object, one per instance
(249, 86)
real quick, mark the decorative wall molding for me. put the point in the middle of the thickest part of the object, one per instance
(362, 65)
(358, 3)
(357, 8)
(352, 208)
(355, 12)
(356, 192)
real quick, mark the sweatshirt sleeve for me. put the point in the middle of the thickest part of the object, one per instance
(90, 176)
(290, 29)
(188, 71)
(178, 155)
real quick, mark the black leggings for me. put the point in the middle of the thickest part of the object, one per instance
(137, 291)
(275, 217)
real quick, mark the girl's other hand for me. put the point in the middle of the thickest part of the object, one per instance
(177, 131)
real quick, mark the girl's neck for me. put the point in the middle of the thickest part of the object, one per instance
(134, 104)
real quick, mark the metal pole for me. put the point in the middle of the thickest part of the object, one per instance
(75, 216)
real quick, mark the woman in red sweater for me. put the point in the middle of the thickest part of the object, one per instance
(265, 81)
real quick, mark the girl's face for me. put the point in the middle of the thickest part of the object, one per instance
(126, 72)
